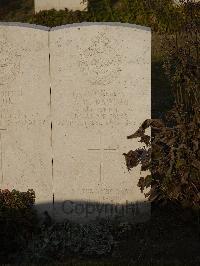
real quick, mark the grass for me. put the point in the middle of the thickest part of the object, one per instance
(170, 238)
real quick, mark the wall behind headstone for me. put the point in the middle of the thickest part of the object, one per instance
(59, 5)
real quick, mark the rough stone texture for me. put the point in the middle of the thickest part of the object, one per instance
(59, 5)
(101, 92)
(25, 156)
(100, 80)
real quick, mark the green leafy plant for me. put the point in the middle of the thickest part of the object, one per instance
(173, 160)
(18, 220)
(155, 14)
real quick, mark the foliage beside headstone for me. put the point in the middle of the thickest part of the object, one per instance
(18, 220)
(174, 162)
(175, 144)
(159, 15)
(52, 18)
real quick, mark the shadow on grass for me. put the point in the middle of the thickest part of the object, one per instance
(169, 237)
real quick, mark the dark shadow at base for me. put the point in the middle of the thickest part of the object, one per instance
(86, 211)
(169, 235)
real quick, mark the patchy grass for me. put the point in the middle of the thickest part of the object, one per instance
(171, 237)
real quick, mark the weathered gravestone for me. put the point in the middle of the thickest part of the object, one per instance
(70, 96)
(25, 158)
(60, 4)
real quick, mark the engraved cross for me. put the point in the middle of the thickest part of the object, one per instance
(102, 150)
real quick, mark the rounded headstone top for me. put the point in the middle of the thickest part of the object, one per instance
(76, 25)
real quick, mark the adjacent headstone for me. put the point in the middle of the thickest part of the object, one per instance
(25, 155)
(69, 97)
(101, 92)
(60, 4)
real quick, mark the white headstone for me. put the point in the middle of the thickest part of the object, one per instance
(69, 98)
(101, 92)
(25, 157)
(60, 4)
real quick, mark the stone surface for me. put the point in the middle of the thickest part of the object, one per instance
(101, 92)
(72, 95)
(59, 5)
(25, 155)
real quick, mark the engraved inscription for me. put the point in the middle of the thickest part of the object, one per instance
(101, 60)
(98, 108)
(101, 150)
(9, 62)
(8, 97)
(19, 118)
